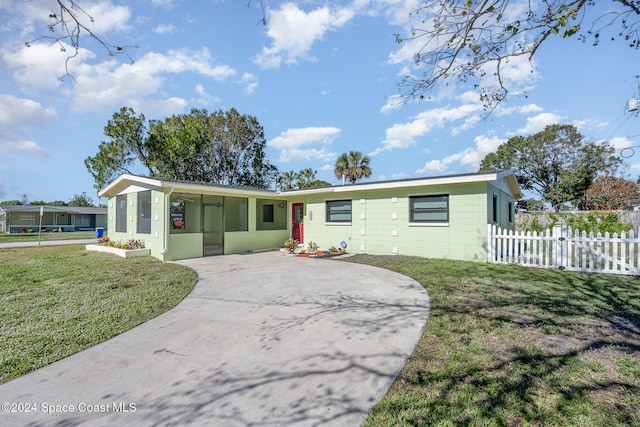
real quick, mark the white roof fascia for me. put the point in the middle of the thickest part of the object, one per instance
(150, 182)
(203, 188)
(462, 179)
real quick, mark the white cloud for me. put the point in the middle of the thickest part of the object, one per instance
(27, 146)
(432, 167)
(393, 103)
(162, 3)
(250, 82)
(3, 192)
(404, 135)
(107, 17)
(621, 143)
(205, 98)
(32, 18)
(104, 86)
(538, 123)
(294, 31)
(160, 107)
(164, 29)
(470, 158)
(17, 116)
(296, 143)
(41, 65)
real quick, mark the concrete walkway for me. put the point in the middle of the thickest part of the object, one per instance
(263, 340)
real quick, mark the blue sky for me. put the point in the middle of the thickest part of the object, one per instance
(321, 78)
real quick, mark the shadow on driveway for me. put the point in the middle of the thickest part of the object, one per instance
(262, 340)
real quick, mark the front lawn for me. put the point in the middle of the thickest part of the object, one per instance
(510, 346)
(58, 300)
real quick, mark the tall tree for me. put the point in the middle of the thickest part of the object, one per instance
(352, 166)
(557, 163)
(237, 151)
(81, 200)
(472, 40)
(220, 148)
(125, 149)
(611, 193)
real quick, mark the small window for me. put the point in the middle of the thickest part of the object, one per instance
(495, 209)
(121, 213)
(144, 212)
(267, 213)
(339, 211)
(429, 208)
(510, 213)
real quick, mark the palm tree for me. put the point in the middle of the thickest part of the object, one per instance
(352, 166)
(287, 180)
(306, 178)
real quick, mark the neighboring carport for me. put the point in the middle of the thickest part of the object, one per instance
(263, 339)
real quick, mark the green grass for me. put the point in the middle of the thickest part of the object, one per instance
(510, 346)
(56, 301)
(33, 237)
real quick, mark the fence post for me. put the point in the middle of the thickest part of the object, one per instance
(489, 242)
(558, 255)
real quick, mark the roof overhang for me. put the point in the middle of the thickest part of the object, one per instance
(128, 183)
(494, 176)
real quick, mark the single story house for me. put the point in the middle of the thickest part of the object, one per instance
(435, 217)
(26, 218)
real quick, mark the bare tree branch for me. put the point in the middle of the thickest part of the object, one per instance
(470, 40)
(66, 29)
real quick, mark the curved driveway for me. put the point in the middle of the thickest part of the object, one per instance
(262, 340)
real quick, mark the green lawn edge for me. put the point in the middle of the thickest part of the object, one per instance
(511, 346)
(58, 300)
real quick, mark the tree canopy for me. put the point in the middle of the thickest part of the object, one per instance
(352, 166)
(611, 193)
(471, 39)
(81, 200)
(306, 178)
(557, 163)
(221, 148)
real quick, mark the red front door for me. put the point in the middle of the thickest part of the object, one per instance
(297, 221)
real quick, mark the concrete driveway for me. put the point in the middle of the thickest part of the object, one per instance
(263, 340)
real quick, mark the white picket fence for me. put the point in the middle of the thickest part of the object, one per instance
(566, 249)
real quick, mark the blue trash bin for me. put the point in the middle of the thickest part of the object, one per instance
(99, 232)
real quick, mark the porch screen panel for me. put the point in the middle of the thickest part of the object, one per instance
(236, 214)
(184, 213)
(429, 208)
(121, 213)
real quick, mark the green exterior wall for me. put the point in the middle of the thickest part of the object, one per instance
(379, 220)
(380, 223)
(154, 239)
(188, 243)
